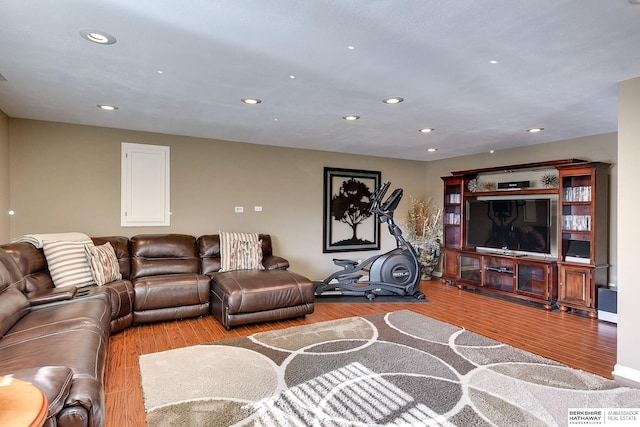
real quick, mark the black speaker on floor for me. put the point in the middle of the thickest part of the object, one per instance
(608, 305)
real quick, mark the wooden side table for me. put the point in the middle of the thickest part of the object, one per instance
(21, 403)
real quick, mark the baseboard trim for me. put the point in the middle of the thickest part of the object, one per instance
(626, 376)
(608, 316)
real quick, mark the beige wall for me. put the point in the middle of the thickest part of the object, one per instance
(628, 363)
(72, 173)
(4, 177)
(602, 148)
(67, 177)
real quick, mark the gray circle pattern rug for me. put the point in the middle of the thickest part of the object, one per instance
(399, 368)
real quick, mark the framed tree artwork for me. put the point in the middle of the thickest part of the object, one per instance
(348, 224)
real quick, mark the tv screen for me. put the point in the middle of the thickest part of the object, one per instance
(510, 224)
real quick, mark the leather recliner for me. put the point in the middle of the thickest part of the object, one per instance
(167, 284)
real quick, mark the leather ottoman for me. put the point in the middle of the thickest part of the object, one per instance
(250, 296)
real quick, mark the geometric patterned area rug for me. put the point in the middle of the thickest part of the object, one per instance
(399, 368)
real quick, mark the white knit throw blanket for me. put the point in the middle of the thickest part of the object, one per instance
(38, 240)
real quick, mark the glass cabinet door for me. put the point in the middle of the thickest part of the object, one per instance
(531, 279)
(471, 268)
(452, 214)
(498, 273)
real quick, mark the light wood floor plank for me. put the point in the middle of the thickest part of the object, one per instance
(570, 338)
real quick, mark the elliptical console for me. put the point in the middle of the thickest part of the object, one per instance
(396, 272)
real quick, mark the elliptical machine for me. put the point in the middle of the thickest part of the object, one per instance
(396, 272)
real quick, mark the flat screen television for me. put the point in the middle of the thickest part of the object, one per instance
(517, 225)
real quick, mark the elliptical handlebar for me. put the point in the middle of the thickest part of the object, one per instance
(387, 207)
(392, 202)
(377, 197)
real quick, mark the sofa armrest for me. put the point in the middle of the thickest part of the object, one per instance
(47, 296)
(54, 381)
(273, 262)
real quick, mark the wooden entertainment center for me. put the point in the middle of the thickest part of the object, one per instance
(573, 239)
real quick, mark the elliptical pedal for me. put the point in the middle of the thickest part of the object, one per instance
(349, 278)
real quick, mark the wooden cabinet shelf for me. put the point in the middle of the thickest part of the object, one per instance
(452, 216)
(578, 260)
(518, 277)
(583, 235)
(520, 192)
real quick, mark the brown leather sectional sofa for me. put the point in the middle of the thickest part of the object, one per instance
(57, 338)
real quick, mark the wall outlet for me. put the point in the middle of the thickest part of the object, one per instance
(257, 208)
(239, 209)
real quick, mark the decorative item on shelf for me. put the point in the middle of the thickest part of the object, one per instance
(474, 185)
(423, 229)
(488, 186)
(549, 180)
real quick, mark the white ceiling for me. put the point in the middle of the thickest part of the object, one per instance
(559, 63)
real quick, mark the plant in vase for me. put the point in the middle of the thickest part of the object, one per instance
(423, 229)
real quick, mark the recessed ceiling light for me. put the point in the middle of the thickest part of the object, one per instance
(292, 76)
(351, 118)
(107, 107)
(351, 47)
(394, 100)
(251, 101)
(492, 151)
(426, 130)
(535, 130)
(493, 61)
(432, 150)
(96, 36)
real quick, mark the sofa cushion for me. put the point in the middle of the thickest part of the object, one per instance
(170, 290)
(103, 263)
(13, 303)
(92, 313)
(68, 263)
(13, 306)
(160, 254)
(82, 349)
(209, 252)
(32, 265)
(239, 256)
(255, 291)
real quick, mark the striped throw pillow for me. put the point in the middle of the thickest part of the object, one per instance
(240, 251)
(67, 262)
(104, 263)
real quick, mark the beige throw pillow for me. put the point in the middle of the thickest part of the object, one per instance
(240, 251)
(104, 263)
(246, 255)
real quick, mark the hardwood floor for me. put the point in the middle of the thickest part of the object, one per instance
(570, 338)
